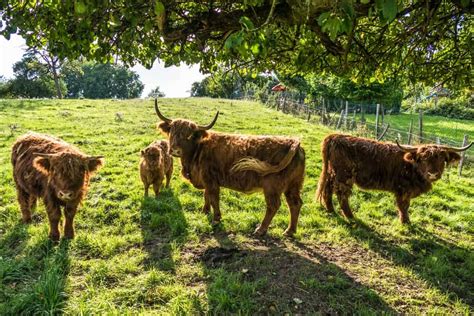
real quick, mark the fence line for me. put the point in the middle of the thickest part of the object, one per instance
(339, 119)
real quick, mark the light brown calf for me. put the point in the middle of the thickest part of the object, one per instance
(155, 164)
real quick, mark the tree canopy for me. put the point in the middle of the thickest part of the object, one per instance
(365, 40)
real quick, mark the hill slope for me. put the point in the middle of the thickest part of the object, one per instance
(133, 255)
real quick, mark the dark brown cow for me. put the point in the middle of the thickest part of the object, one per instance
(47, 167)
(155, 164)
(212, 160)
(406, 171)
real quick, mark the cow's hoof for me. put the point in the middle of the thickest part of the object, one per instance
(215, 222)
(289, 233)
(54, 238)
(26, 220)
(260, 232)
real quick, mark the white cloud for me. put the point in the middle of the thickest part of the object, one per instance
(175, 82)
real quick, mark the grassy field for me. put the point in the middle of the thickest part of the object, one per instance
(161, 256)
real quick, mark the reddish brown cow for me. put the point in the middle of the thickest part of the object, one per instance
(155, 164)
(406, 171)
(212, 160)
(47, 167)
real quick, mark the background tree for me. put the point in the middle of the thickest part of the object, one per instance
(366, 40)
(33, 79)
(156, 93)
(97, 81)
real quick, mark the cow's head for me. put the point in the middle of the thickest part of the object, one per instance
(184, 135)
(152, 155)
(68, 173)
(431, 159)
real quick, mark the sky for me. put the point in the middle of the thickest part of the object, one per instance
(175, 82)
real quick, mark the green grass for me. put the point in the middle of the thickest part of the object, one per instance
(144, 256)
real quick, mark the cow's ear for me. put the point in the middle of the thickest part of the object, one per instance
(142, 152)
(452, 157)
(410, 157)
(164, 127)
(42, 164)
(94, 163)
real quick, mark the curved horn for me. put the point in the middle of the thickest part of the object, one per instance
(459, 148)
(406, 148)
(95, 157)
(210, 124)
(161, 116)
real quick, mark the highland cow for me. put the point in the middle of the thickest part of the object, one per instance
(155, 164)
(212, 160)
(49, 168)
(406, 171)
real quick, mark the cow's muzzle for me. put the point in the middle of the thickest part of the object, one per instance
(176, 152)
(65, 195)
(434, 176)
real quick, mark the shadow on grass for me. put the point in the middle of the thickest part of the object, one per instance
(441, 263)
(267, 277)
(164, 228)
(33, 274)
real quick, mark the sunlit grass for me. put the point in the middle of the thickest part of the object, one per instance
(136, 255)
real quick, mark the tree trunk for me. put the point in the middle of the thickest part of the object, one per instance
(56, 82)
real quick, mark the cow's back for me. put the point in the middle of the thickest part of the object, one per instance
(371, 164)
(220, 152)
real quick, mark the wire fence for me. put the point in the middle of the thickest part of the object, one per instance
(352, 117)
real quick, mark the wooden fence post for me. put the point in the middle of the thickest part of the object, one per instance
(410, 132)
(463, 154)
(377, 121)
(382, 112)
(420, 127)
(438, 141)
(346, 113)
(362, 112)
(340, 120)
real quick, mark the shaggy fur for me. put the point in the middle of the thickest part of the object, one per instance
(349, 160)
(47, 167)
(243, 163)
(155, 164)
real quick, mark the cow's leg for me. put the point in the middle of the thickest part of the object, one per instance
(213, 195)
(207, 202)
(69, 213)
(327, 194)
(32, 202)
(157, 187)
(54, 216)
(25, 206)
(403, 203)
(146, 186)
(168, 175)
(343, 192)
(273, 201)
(294, 202)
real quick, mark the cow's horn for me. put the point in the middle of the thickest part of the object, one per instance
(211, 124)
(460, 148)
(161, 116)
(95, 157)
(406, 148)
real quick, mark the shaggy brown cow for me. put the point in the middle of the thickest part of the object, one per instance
(406, 171)
(156, 162)
(47, 167)
(243, 163)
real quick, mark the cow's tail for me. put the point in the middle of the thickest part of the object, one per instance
(325, 185)
(262, 167)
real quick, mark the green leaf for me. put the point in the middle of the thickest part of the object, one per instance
(80, 7)
(247, 23)
(159, 8)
